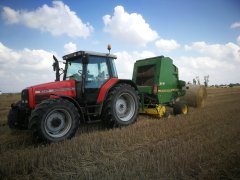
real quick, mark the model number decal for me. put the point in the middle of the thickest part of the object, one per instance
(54, 90)
(167, 90)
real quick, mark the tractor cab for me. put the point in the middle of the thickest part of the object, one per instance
(91, 66)
(90, 70)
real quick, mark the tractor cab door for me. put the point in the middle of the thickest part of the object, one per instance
(97, 73)
(74, 70)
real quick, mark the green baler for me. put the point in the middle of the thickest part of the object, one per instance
(159, 86)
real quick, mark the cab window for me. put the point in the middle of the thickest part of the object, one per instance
(74, 70)
(97, 72)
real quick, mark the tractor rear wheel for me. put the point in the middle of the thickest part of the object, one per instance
(121, 106)
(55, 120)
(180, 107)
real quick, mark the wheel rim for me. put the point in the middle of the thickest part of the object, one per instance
(57, 123)
(185, 109)
(125, 107)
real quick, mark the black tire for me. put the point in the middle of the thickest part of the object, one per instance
(180, 107)
(12, 119)
(16, 119)
(121, 106)
(54, 120)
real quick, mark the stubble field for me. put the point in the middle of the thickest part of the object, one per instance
(205, 144)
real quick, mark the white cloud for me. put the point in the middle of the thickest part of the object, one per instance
(58, 20)
(229, 51)
(220, 61)
(10, 15)
(20, 69)
(238, 40)
(235, 25)
(167, 45)
(144, 54)
(219, 71)
(125, 62)
(70, 48)
(205, 63)
(130, 28)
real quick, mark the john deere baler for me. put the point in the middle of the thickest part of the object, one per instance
(159, 86)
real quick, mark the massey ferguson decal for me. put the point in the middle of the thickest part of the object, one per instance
(54, 90)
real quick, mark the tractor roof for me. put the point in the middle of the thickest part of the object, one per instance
(81, 53)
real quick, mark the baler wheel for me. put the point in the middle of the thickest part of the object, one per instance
(180, 107)
(55, 120)
(121, 106)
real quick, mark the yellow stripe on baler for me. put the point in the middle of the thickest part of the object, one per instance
(157, 111)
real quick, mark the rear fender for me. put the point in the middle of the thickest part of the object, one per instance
(127, 81)
(105, 89)
(110, 87)
(111, 84)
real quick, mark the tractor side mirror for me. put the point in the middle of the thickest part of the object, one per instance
(54, 66)
(85, 59)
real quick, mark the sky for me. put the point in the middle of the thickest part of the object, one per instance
(202, 37)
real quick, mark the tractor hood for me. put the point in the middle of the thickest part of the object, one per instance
(41, 92)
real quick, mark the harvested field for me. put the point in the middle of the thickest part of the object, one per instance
(204, 144)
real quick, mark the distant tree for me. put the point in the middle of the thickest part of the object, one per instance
(198, 80)
(206, 80)
(194, 81)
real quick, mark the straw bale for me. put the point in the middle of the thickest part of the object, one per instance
(196, 96)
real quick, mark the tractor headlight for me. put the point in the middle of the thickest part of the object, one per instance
(24, 101)
(24, 96)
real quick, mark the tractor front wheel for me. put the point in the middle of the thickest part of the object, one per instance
(13, 119)
(17, 117)
(55, 120)
(121, 106)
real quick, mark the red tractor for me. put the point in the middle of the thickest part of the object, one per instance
(90, 91)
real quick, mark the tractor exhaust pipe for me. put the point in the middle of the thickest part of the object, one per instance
(56, 68)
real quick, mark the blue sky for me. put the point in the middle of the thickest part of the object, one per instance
(202, 37)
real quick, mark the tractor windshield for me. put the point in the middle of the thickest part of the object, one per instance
(98, 70)
(74, 69)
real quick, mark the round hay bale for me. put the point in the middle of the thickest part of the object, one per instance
(196, 96)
